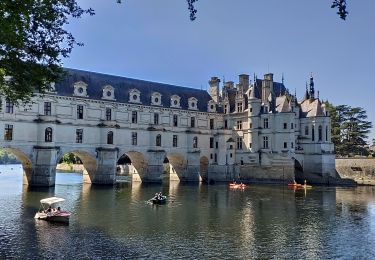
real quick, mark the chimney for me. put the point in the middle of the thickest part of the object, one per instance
(244, 82)
(214, 88)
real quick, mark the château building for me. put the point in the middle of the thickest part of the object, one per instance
(254, 130)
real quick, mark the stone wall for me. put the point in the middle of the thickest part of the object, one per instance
(361, 170)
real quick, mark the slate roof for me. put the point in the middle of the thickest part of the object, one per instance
(123, 85)
(311, 108)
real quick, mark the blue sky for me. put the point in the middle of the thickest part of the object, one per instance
(155, 40)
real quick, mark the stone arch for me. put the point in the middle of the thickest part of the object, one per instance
(203, 168)
(138, 162)
(178, 165)
(89, 162)
(297, 165)
(25, 161)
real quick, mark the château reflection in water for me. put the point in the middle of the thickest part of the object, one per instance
(199, 221)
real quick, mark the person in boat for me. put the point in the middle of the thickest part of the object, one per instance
(58, 209)
(49, 210)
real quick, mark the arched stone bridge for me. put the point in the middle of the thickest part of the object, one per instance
(100, 163)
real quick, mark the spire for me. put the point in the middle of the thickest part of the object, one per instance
(312, 90)
(282, 78)
(318, 94)
(307, 96)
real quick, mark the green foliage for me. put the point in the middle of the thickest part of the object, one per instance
(70, 158)
(349, 129)
(32, 42)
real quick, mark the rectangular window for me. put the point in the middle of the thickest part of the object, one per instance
(79, 135)
(285, 126)
(225, 124)
(313, 133)
(211, 156)
(251, 125)
(239, 107)
(175, 120)
(192, 121)
(134, 138)
(285, 145)
(239, 143)
(108, 114)
(265, 123)
(156, 118)
(47, 108)
(292, 145)
(225, 109)
(211, 142)
(250, 145)
(79, 111)
(251, 109)
(217, 145)
(291, 125)
(265, 109)
(134, 117)
(265, 142)
(175, 144)
(215, 158)
(8, 134)
(306, 130)
(211, 123)
(239, 125)
(9, 107)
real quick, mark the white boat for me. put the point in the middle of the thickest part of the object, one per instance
(49, 212)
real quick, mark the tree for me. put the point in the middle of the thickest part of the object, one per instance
(349, 129)
(33, 40)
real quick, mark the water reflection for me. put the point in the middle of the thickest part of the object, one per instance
(199, 221)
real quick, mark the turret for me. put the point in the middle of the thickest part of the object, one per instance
(214, 88)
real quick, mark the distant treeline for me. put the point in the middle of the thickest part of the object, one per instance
(8, 158)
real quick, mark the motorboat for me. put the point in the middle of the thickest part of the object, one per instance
(159, 199)
(48, 211)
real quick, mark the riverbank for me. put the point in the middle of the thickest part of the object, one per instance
(67, 167)
(361, 170)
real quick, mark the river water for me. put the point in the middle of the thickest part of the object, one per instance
(198, 222)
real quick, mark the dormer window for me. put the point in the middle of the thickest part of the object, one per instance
(211, 106)
(156, 99)
(175, 101)
(80, 89)
(108, 92)
(135, 96)
(193, 103)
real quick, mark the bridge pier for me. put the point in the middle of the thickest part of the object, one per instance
(107, 162)
(154, 170)
(191, 172)
(43, 172)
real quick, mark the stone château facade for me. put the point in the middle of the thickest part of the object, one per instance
(253, 130)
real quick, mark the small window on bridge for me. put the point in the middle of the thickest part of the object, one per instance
(48, 134)
(79, 136)
(8, 134)
(110, 137)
